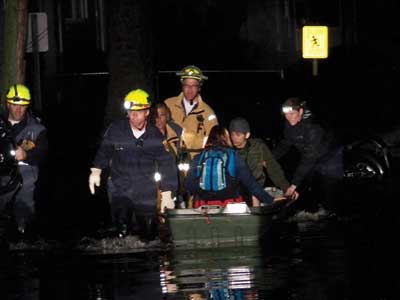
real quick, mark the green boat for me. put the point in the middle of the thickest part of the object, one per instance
(214, 226)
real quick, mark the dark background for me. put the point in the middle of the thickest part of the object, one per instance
(250, 50)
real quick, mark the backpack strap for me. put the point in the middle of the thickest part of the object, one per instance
(202, 157)
(231, 162)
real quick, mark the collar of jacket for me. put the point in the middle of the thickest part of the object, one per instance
(129, 130)
(197, 109)
(245, 150)
(170, 132)
(18, 127)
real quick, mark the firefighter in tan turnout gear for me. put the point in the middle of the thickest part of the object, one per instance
(190, 111)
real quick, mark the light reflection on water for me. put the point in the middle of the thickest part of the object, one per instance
(298, 260)
(306, 262)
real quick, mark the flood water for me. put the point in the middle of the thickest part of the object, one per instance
(304, 256)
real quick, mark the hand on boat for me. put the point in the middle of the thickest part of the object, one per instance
(288, 199)
(293, 196)
(280, 198)
(291, 193)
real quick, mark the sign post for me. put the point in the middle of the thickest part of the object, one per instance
(315, 44)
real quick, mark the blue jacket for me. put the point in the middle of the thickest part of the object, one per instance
(134, 161)
(243, 176)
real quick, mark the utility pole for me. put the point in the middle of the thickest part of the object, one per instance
(14, 33)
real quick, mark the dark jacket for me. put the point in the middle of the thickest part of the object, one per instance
(311, 141)
(31, 135)
(243, 176)
(134, 161)
(30, 129)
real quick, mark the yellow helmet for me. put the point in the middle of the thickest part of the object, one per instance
(18, 94)
(191, 72)
(137, 100)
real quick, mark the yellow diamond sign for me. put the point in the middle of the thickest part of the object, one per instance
(315, 41)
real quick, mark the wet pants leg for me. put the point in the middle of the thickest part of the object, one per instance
(147, 223)
(148, 228)
(331, 181)
(121, 214)
(121, 209)
(24, 206)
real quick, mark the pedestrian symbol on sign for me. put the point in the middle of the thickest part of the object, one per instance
(315, 42)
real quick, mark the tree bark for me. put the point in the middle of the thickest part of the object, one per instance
(22, 21)
(15, 26)
(131, 55)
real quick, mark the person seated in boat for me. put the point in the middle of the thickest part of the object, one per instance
(258, 157)
(215, 174)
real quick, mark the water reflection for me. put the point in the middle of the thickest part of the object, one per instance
(222, 273)
(305, 258)
(300, 260)
(71, 276)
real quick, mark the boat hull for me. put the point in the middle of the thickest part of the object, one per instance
(189, 228)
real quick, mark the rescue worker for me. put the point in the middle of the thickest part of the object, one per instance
(219, 140)
(30, 138)
(258, 157)
(321, 155)
(190, 111)
(134, 152)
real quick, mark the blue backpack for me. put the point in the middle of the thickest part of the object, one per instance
(216, 173)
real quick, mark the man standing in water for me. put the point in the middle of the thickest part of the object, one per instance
(30, 139)
(321, 155)
(134, 152)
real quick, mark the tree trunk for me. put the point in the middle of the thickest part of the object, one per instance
(131, 62)
(14, 34)
(22, 21)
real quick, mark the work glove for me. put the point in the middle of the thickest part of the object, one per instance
(94, 179)
(167, 201)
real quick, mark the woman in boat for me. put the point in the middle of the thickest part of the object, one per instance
(215, 174)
